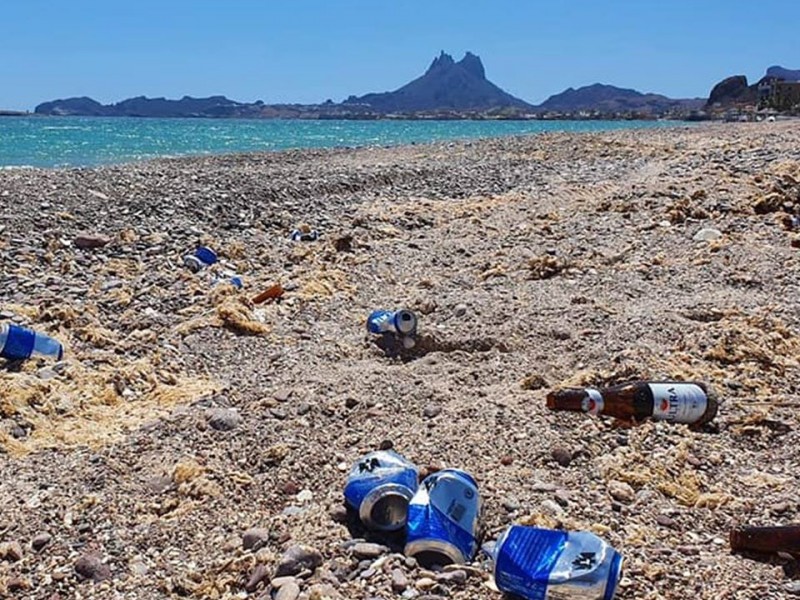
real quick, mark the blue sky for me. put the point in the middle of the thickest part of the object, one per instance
(311, 50)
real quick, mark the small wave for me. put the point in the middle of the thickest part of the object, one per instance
(66, 127)
(16, 167)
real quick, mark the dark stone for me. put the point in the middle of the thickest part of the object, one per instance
(40, 541)
(89, 566)
(298, 558)
(223, 419)
(90, 240)
(258, 575)
(666, 521)
(563, 456)
(369, 550)
(254, 538)
(343, 243)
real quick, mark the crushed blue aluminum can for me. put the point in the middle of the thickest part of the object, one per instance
(202, 258)
(379, 487)
(401, 321)
(539, 564)
(443, 519)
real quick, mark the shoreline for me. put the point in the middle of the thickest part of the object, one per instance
(533, 262)
(88, 142)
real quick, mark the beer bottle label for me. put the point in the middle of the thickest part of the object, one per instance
(593, 402)
(678, 402)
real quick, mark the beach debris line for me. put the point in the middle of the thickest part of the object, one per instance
(443, 519)
(537, 563)
(768, 540)
(379, 487)
(693, 403)
(399, 323)
(21, 343)
(203, 257)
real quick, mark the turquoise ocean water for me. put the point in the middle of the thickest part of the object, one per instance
(91, 141)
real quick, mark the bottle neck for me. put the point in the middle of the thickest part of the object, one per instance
(569, 399)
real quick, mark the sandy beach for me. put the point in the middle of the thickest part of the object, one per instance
(183, 415)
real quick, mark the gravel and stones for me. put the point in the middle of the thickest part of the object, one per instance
(532, 262)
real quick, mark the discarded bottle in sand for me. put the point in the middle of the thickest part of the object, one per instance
(202, 258)
(379, 487)
(443, 519)
(273, 292)
(693, 402)
(20, 343)
(767, 539)
(538, 564)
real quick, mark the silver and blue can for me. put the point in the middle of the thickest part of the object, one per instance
(401, 321)
(541, 564)
(379, 487)
(443, 519)
(202, 258)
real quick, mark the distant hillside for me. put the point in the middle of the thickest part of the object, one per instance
(785, 74)
(447, 89)
(446, 84)
(214, 106)
(733, 90)
(610, 99)
(736, 91)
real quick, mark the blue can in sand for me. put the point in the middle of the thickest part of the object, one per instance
(401, 321)
(379, 486)
(443, 519)
(202, 258)
(21, 343)
(538, 564)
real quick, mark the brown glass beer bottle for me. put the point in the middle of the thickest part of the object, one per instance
(767, 539)
(690, 402)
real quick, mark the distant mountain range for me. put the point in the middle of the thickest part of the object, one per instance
(448, 89)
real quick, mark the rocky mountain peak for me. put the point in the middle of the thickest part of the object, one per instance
(472, 64)
(441, 62)
(446, 85)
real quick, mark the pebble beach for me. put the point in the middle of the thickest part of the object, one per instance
(194, 444)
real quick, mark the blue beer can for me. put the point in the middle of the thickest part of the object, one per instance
(379, 486)
(401, 321)
(443, 519)
(541, 564)
(202, 258)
